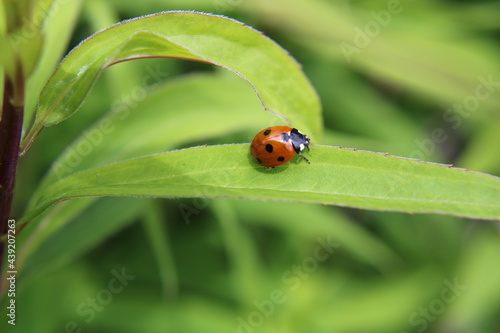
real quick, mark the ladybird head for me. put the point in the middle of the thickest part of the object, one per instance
(299, 141)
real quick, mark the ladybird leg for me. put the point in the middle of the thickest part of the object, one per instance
(304, 158)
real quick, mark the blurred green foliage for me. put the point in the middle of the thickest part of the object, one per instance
(389, 74)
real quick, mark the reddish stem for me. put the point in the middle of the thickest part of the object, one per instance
(10, 135)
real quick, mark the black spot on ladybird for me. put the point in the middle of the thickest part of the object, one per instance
(267, 131)
(281, 158)
(269, 148)
(258, 160)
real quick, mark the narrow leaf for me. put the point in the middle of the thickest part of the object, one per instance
(335, 176)
(81, 234)
(275, 76)
(56, 31)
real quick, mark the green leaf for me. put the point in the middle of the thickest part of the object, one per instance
(81, 234)
(100, 15)
(181, 110)
(477, 154)
(3, 19)
(204, 102)
(321, 220)
(275, 76)
(60, 19)
(477, 281)
(335, 176)
(157, 234)
(241, 252)
(407, 51)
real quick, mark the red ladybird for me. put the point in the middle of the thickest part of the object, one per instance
(277, 145)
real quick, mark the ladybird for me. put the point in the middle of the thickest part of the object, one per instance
(277, 145)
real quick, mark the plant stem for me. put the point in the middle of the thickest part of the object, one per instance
(10, 135)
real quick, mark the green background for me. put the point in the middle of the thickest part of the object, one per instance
(388, 73)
